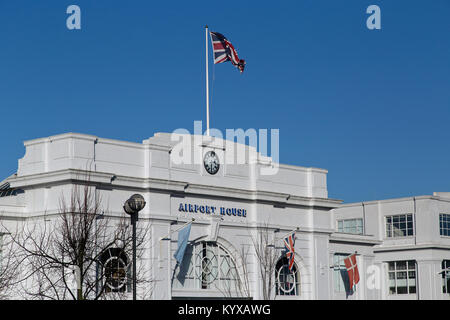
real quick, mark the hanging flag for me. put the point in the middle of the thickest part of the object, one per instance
(224, 51)
(183, 237)
(289, 243)
(352, 270)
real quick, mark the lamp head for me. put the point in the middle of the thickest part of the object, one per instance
(135, 204)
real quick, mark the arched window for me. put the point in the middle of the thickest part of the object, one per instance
(286, 281)
(114, 263)
(207, 265)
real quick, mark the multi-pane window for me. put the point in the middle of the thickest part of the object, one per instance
(399, 225)
(340, 271)
(207, 265)
(402, 277)
(446, 276)
(114, 268)
(286, 281)
(444, 224)
(351, 226)
(10, 192)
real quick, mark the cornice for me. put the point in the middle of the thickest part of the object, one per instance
(376, 202)
(338, 237)
(424, 246)
(145, 184)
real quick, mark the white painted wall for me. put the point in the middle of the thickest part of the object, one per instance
(427, 246)
(294, 197)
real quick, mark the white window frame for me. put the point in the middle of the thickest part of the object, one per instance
(195, 273)
(397, 271)
(295, 273)
(338, 265)
(109, 256)
(389, 226)
(345, 229)
(444, 232)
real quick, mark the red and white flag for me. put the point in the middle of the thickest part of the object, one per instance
(352, 270)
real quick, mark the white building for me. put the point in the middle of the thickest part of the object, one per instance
(230, 204)
(414, 248)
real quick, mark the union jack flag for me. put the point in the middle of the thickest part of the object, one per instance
(224, 51)
(289, 243)
(352, 270)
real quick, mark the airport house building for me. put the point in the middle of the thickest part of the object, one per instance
(402, 245)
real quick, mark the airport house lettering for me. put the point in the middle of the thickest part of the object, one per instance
(205, 209)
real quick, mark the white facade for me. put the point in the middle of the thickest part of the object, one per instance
(408, 229)
(232, 205)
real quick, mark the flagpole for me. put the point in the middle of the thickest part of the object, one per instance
(283, 236)
(207, 82)
(181, 227)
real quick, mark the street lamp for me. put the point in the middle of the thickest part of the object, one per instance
(132, 207)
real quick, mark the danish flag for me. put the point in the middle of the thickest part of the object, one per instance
(352, 270)
(289, 243)
(224, 51)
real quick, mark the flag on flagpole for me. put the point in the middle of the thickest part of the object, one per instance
(289, 243)
(183, 238)
(352, 270)
(224, 51)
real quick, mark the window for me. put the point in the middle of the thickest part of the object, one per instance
(399, 226)
(402, 277)
(114, 263)
(286, 281)
(207, 265)
(10, 192)
(446, 276)
(340, 272)
(351, 226)
(444, 224)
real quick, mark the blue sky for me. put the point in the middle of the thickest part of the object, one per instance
(371, 106)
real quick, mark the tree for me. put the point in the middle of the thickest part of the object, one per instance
(267, 256)
(81, 253)
(238, 283)
(8, 266)
(244, 277)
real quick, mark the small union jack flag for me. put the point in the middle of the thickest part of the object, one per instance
(224, 51)
(289, 243)
(352, 270)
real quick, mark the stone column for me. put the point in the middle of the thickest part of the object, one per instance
(160, 262)
(429, 280)
(322, 267)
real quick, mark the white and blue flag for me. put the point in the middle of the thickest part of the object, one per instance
(183, 238)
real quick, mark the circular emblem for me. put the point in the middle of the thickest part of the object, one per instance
(115, 274)
(211, 162)
(286, 279)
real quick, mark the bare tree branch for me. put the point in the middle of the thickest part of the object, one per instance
(80, 239)
(267, 256)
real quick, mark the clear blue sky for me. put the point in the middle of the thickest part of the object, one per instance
(372, 107)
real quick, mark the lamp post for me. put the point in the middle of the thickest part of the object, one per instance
(132, 207)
